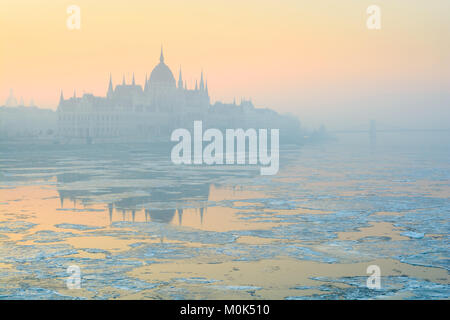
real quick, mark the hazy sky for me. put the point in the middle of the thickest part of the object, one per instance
(316, 59)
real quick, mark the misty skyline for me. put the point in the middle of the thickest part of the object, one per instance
(315, 60)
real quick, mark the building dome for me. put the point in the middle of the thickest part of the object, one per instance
(161, 74)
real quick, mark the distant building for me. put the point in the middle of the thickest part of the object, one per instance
(27, 123)
(11, 101)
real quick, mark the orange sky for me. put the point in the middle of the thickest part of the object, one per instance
(312, 58)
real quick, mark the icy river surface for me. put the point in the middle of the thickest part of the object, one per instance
(136, 226)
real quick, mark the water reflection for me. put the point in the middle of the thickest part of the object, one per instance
(130, 219)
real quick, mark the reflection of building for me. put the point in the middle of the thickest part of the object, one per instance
(160, 215)
(162, 204)
(130, 112)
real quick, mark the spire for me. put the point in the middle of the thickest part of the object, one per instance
(161, 57)
(61, 98)
(110, 86)
(123, 80)
(146, 83)
(202, 86)
(133, 82)
(196, 86)
(180, 80)
(180, 216)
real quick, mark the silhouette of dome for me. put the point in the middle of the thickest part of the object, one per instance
(161, 74)
(161, 215)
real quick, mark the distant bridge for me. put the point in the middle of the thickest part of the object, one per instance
(377, 127)
(392, 130)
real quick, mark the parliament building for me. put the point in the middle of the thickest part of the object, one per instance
(132, 113)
